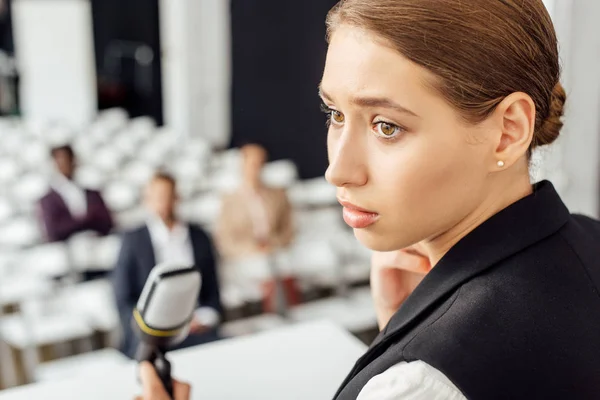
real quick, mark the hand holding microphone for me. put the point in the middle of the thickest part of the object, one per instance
(162, 319)
(153, 389)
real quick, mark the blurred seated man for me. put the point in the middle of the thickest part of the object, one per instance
(255, 221)
(68, 208)
(165, 239)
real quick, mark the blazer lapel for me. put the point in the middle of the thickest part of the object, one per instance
(146, 249)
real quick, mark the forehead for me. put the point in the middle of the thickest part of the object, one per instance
(160, 186)
(359, 63)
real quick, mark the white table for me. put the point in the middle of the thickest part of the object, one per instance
(306, 361)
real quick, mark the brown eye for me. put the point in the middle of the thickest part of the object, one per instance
(337, 117)
(386, 129)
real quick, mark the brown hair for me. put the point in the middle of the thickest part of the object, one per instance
(481, 51)
(164, 176)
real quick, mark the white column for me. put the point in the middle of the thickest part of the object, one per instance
(55, 55)
(195, 37)
(574, 161)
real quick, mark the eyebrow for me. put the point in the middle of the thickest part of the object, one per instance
(373, 102)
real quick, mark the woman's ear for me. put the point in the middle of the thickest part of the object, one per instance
(516, 118)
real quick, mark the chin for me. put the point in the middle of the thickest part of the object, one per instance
(377, 242)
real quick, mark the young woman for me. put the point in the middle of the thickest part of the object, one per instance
(434, 109)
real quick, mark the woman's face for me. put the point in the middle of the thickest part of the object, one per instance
(397, 149)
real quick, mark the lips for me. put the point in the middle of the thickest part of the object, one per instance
(357, 217)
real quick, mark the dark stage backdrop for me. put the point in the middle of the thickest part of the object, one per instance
(279, 52)
(120, 28)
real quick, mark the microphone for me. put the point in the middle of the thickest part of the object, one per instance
(163, 313)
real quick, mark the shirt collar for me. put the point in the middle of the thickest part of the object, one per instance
(161, 234)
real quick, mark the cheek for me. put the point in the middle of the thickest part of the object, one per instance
(423, 189)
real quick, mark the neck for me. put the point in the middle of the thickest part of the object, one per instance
(495, 201)
(170, 222)
(253, 185)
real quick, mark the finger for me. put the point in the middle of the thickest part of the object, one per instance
(151, 383)
(181, 390)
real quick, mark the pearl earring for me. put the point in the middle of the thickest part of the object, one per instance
(500, 164)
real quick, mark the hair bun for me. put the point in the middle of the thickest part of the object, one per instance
(552, 125)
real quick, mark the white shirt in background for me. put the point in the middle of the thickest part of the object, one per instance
(73, 195)
(416, 380)
(175, 246)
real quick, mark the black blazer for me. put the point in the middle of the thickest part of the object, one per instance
(512, 311)
(136, 260)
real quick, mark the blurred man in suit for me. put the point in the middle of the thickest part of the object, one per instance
(165, 239)
(67, 208)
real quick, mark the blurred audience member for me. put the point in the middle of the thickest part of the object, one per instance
(254, 219)
(165, 239)
(67, 208)
(255, 222)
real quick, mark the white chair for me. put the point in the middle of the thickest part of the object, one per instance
(197, 149)
(7, 210)
(316, 262)
(37, 156)
(137, 173)
(10, 170)
(130, 218)
(224, 180)
(91, 177)
(228, 160)
(107, 252)
(324, 222)
(126, 143)
(142, 127)
(108, 159)
(20, 232)
(18, 287)
(29, 189)
(35, 327)
(313, 193)
(202, 209)
(14, 142)
(188, 169)
(153, 154)
(94, 301)
(49, 260)
(281, 173)
(120, 196)
(112, 119)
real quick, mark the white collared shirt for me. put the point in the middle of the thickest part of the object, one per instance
(416, 380)
(175, 246)
(73, 195)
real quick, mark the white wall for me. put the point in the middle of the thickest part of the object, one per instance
(55, 55)
(573, 163)
(195, 38)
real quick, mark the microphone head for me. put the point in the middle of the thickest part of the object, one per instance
(166, 305)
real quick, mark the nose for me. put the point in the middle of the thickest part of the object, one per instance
(347, 156)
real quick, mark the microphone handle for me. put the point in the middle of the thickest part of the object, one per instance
(163, 370)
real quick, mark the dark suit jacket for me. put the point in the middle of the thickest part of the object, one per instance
(511, 311)
(61, 225)
(135, 262)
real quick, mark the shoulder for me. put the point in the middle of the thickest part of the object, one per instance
(410, 381)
